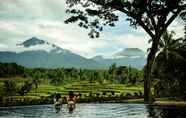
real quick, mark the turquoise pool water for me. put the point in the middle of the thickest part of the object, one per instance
(83, 111)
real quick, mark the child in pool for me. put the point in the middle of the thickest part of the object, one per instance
(71, 101)
(57, 102)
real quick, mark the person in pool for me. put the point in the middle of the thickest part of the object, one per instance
(71, 101)
(57, 102)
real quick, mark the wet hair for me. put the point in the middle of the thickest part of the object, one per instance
(58, 96)
(71, 94)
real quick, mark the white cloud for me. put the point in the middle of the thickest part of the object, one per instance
(32, 9)
(177, 26)
(134, 41)
(2, 46)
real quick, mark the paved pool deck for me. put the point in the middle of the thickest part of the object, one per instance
(177, 104)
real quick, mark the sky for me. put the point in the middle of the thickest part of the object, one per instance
(44, 19)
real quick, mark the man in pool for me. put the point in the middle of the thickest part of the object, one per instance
(71, 101)
(57, 102)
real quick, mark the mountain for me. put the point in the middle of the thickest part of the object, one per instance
(38, 53)
(133, 57)
(98, 58)
(130, 52)
(31, 42)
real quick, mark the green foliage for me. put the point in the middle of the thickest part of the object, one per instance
(56, 81)
(114, 74)
(169, 74)
(9, 87)
(36, 79)
(36, 82)
(11, 69)
(25, 88)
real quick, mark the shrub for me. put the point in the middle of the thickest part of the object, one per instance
(135, 94)
(140, 94)
(113, 93)
(25, 88)
(104, 93)
(97, 94)
(9, 87)
(122, 95)
(90, 94)
(128, 94)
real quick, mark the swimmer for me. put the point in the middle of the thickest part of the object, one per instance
(71, 101)
(57, 102)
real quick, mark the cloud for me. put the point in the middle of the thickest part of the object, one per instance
(2, 46)
(133, 41)
(32, 9)
(178, 27)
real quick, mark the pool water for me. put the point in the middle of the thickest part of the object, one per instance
(83, 111)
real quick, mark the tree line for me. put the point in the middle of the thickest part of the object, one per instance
(114, 74)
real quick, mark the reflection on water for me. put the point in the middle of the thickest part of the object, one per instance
(166, 112)
(92, 111)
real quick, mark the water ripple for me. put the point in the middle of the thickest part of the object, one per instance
(82, 111)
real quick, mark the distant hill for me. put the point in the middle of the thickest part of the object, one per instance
(130, 52)
(133, 57)
(38, 53)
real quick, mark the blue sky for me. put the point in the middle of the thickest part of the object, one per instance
(23, 19)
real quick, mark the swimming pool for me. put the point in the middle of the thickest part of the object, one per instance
(97, 110)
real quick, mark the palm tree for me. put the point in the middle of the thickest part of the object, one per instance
(166, 62)
(169, 46)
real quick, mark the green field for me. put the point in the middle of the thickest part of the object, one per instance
(82, 87)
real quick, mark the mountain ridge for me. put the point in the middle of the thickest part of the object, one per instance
(56, 57)
(31, 42)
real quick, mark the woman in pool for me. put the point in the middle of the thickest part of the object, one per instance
(57, 102)
(71, 101)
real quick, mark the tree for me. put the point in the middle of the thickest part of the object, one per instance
(56, 80)
(168, 65)
(10, 87)
(36, 80)
(25, 88)
(169, 46)
(111, 71)
(11, 69)
(80, 74)
(154, 16)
